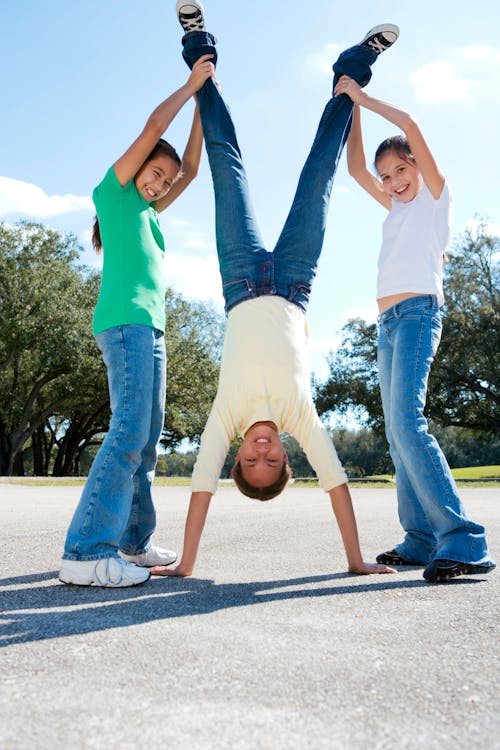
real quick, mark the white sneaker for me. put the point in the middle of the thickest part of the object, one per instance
(381, 37)
(109, 571)
(152, 556)
(190, 15)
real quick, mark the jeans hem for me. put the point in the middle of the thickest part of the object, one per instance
(88, 558)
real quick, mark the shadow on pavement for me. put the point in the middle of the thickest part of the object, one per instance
(35, 613)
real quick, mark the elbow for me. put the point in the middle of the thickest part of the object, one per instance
(351, 169)
(409, 126)
(155, 125)
(189, 171)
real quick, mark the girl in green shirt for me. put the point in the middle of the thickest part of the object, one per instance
(116, 512)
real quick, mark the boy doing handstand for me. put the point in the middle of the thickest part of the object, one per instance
(264, 383)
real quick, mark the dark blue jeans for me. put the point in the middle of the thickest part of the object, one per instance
(247, 269)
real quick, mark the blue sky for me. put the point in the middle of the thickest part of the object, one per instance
(79, 79)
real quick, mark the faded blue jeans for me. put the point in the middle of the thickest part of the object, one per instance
(116, 509)
(430, 511)
(247, 269)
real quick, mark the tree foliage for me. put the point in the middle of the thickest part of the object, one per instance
(193, 338)
(465, 388)
(351, 388)
(53, 384)
(44, 324)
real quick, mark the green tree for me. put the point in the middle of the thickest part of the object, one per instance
(44, 322)
(352, 387)
(465, 385)
(53, 385)
(193, 337)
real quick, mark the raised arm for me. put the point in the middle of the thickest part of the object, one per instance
(432, 175)
(356, 163)
(340, 498)
(127, 166)
(190, 163)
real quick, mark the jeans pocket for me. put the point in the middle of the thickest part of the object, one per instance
(238, 290)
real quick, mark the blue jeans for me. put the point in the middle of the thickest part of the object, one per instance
(116, 508)
(247, 269)
(430, 511)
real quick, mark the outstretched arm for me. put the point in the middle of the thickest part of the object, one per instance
(190, 164)
(195, 522)
(356, 163)
(127, 166)
(340, 498)
(432, 175)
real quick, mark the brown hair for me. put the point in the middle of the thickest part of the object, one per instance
(162, 148)
(397, 143)
(261, 493)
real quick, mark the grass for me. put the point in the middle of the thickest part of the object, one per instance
(477, 472)
(479, 476)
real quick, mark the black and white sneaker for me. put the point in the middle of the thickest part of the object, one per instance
(190, 15)
(380, 37)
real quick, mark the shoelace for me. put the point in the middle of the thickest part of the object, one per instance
(191, 21)
(108, 577)
(377, 45)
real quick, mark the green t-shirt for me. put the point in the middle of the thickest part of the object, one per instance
(132, 285)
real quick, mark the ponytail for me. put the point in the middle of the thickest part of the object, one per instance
(96, 236)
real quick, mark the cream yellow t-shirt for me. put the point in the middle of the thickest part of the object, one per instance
(265, 376)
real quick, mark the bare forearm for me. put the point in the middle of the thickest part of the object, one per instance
(340, 498)
(356, 160)
(195, 523)
(390, 112)
(190, 164)
(159, 120)
(192, 153)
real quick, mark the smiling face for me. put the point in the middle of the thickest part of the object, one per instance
(262, 455)
(156, 177)
(401, 179)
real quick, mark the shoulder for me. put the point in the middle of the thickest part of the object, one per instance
(440, 203)
(109, 184)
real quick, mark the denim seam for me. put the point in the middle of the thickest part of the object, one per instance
(424, 438)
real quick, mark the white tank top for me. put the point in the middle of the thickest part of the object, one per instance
(414, 238)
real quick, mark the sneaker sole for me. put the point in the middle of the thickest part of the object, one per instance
(462, 570)
(386, 28)
(92, 582)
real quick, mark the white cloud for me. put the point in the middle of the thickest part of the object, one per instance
(323, 60)
(194, 277)
(439, 81)
(30, 200)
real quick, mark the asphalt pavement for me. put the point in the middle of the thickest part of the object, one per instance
(270, 645)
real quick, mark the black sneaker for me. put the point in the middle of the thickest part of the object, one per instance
(442, 570)
(392, 558)
(380, 37)
(190, 15)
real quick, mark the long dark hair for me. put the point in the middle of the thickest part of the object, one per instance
(162, 148)
(397, 143)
